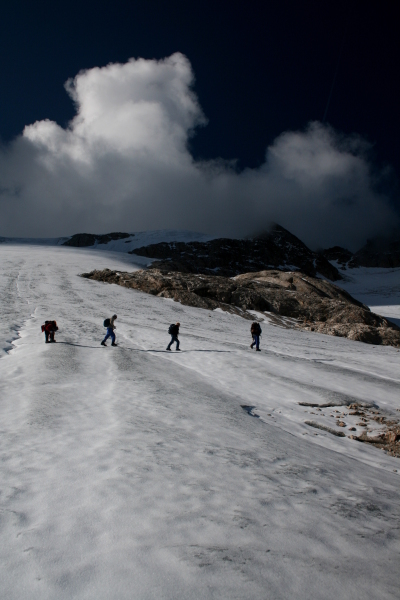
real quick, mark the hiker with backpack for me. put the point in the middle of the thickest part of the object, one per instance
(255, 331)
(174, 332)
(49, 328)
(109, 323)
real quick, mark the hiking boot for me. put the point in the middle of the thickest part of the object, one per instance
(103, 343)
(113, 344)
(258, 350)
(178, 349)
(169, 349)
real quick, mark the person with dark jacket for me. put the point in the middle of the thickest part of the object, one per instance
(49, 328)
(255, 331)
(110, 331)
(174, 332)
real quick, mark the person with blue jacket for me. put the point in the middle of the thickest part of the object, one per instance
(255, 331)
(109, 323)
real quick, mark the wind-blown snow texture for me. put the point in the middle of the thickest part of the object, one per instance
(131, 472)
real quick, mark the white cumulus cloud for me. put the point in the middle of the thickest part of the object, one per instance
(123, 164)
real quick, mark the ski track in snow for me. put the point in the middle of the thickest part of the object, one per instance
(131, 472)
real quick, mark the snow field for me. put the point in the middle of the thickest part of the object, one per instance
(131, 472)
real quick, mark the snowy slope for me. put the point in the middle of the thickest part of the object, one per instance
(133, 473)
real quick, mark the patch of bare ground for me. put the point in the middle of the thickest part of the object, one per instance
(374, 426)
(387, 438)
(293, 299)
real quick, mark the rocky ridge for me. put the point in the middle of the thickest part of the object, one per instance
(379, 252)
(383, 253)
(293, 298)
(338, 254)
(81, 240)
(277, 249)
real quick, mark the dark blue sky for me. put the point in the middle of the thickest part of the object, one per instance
(261, 67)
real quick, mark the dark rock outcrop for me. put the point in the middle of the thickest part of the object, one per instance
(80, 240)
(379, 252)
(382, 252)
(278, 249)
(338, 254)
(311, 304)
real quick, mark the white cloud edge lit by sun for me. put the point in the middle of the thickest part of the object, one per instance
(123, 163)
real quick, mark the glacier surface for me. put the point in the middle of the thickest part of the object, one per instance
(131, 472)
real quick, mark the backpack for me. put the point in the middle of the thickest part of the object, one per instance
(255, 328)
(44, 325)
(172, 330)
(55, 328)
(107, 323)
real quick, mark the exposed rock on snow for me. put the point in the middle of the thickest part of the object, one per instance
(275, 249)
(315, 304)
(80, 240)
(324, 428)
(381, 428)
(387, 438)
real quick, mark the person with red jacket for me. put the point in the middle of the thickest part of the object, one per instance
(49, 328)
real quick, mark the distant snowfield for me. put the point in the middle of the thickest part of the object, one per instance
(133, 473)
(377, 288)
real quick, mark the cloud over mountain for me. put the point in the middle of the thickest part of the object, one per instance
(123, 163)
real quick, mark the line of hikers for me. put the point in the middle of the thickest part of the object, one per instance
(50, 327)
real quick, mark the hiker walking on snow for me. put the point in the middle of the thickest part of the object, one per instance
(256, 331)
(174, 332)
(109, 323)
(49, 328)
